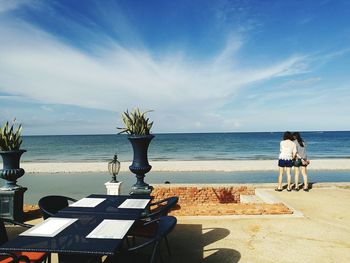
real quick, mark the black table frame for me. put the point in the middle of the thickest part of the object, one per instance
(72, 240)
(109, 206)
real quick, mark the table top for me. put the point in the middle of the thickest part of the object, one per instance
(70, 240)
(109, 206)
(73, 238)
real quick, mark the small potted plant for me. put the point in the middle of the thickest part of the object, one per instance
(136, 123)
(138, 128)
(10, 143)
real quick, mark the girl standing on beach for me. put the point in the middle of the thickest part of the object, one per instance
(300, 163)
(285, 160)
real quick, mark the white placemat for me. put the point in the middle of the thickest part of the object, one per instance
(111, 229)
(50, 227)
(88, 202)
(134, 203)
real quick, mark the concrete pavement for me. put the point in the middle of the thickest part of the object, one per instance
(321, 235)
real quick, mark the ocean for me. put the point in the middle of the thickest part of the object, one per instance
(184, 146)
(190, 146)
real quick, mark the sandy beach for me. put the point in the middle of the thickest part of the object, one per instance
(184, 166)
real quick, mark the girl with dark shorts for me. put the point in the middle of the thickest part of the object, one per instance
(300, 162)
(285, 159)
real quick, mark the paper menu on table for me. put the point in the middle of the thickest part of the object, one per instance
(111, 229)
(88, 202)
(50, 227)
(134, 203)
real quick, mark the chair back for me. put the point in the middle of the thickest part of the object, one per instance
(164, 207)
(3, 233)
(51, 204)
(165, 226)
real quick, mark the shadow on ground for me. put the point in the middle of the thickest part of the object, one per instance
(32, 213)
(188, 244)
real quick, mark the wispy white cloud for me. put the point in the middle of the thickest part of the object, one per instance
(306, 19)
(46, 108)
(9, 5)
(326, 57)
(300, 83)
(36, 65)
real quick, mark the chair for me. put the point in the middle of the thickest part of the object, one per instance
(147, 226)
(51, 204)
(28, 257)
(161, 208)
(136, 254)
(13, 258)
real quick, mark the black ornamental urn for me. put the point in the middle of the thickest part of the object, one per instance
(11, 170)
(140, 165)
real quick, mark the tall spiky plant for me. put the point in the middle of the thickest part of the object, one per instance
(136, 123)
(10, 138)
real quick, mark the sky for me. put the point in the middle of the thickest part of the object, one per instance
(72, 67)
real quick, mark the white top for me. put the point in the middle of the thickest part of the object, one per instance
(288, 150)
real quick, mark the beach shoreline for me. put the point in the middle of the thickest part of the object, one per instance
(182, 166)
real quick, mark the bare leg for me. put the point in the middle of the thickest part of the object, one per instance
(280, 176)
(296, 177)
(288, 177)
(304, 173)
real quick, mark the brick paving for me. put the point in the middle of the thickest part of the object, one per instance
(216, 201)
(214, 209)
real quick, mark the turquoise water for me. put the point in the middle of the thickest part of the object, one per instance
(190, 146)
(82, 184)
(210, 146)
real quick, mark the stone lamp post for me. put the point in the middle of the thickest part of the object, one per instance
(113, 186)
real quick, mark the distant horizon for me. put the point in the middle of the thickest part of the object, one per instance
(306, 131)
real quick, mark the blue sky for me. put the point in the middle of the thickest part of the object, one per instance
(71, 67)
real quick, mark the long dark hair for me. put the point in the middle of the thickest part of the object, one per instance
(287, 136)
(297, 136)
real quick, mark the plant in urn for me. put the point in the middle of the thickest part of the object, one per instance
(10, 143)
(138, 128)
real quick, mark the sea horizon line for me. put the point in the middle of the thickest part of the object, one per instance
(174, 133)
